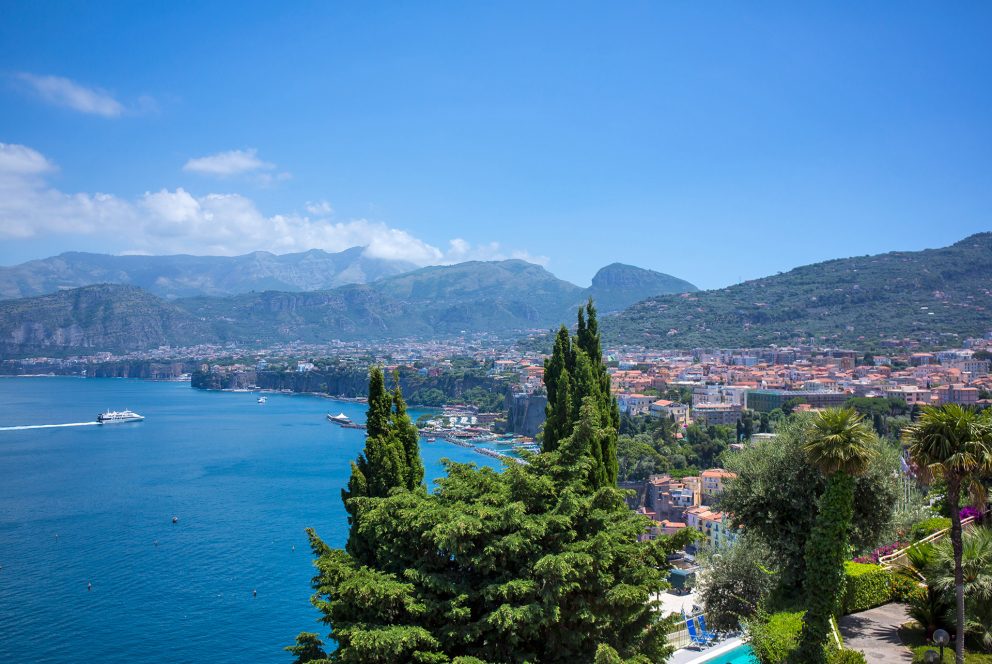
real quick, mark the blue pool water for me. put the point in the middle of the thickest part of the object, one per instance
(740, 655)
(94, 504)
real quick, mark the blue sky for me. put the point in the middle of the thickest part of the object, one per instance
(713, 141)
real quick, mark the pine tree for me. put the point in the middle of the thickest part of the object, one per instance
(558, 418)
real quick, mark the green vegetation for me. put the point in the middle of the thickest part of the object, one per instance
(865, 587)
(574, 374)
(538, 562)
(777, 491)
(737, 579)
(955, 444)
(927, 527)
(936, 296)
(841, 446)
(917, 641)
(650, 445)
(774, 637)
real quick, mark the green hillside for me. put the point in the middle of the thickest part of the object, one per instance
(95, 318)
(936, 296)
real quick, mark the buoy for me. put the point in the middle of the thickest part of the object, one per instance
(254, 593)
(175, 519)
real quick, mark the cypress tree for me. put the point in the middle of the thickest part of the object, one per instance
(580, 361)
(385, 463)
(409, 437)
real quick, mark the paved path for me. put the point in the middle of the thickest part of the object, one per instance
(876, 633)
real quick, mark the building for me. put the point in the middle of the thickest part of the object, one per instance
(957, 393)
(910, 394)
(716, 413)
(713, 483)
(673, 409)
(714, 525)
(766, 401)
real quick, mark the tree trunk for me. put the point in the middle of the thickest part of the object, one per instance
(954, 497)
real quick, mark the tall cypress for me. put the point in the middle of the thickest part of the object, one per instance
(384, 464)
(408, 436)
(579, 360)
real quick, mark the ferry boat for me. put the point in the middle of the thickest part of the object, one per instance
(116, 417)
(340, 418)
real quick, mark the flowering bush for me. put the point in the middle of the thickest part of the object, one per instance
(872, 558)
(970, 511)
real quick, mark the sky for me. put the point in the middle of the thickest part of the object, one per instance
(713, 141)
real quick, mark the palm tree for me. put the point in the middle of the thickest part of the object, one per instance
(954, 443)
(841, 445)
(976, 564)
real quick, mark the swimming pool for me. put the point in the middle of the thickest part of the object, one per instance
(739, 655)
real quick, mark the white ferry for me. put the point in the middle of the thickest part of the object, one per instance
(115, 417)
(340, 418)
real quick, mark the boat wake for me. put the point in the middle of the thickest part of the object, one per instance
(49, 426)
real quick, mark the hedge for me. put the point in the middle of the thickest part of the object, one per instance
(865, 587)
(927, 527)
(773, 637)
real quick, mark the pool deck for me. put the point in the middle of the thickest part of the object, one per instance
(689, 656)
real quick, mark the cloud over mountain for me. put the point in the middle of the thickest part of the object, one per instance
(179, 221)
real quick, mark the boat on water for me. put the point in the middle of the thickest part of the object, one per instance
(340, 418)
(432, 440)
(262, 399)
(118, 416)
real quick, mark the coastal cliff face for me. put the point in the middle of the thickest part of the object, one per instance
(349, 383)
(526, 413)
(93, 319)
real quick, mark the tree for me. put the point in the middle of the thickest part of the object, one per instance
(390, 460)
(955, 444)
(841, 445)
(737, 579)
(776, 497)
(309, 649)
(527, 564)
(574, 372)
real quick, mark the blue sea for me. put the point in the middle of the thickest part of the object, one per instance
(94, 505)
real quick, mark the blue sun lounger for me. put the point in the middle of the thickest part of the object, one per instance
(694, 635)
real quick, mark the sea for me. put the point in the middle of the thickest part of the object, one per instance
(92, 567)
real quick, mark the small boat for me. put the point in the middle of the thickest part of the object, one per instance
(116, 417)
(340, 418)
(432, 440)
(262, 399)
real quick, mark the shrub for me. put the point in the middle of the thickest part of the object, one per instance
(928, 527)
(736, 582)
(971, 511)
(872, 558)
(903, 587)
(774, 637)
(845, 656)
(865, 587)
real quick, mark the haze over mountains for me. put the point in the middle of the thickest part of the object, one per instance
(477, 296)
(187, 276)
(936, 296)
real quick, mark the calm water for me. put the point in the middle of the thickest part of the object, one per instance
(94, 504)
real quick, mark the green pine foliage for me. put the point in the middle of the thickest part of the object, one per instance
(539, 562)
(390, 460)
(528, 564)
(576, 371)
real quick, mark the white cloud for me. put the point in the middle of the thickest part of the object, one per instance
(319, 208)
(226, 164)
(177, 221)
(69, 94)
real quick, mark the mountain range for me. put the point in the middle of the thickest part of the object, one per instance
(477, 296)
(187, 276)
(937, 296)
